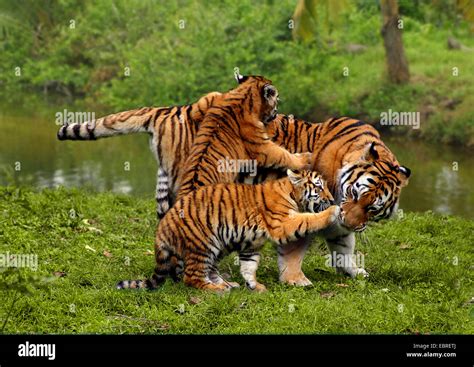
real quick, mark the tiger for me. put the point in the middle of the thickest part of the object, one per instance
(171, 129)
(235, 129)
(362, 173)
(214, 220)
(370, 187)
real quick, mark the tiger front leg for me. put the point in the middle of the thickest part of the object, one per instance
(342, 255)
(248, 268)
(290, 259)
(297, 228)
(298, 225)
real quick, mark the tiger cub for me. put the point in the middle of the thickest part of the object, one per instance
(234, 127)
(218, 219)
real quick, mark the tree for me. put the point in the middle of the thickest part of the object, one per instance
(313, 15)
(307, 16)
(397, 64)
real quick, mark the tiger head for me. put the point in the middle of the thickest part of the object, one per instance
(311, 191)
(370, 187)
(260, 96)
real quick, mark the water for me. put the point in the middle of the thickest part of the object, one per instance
(30, 154)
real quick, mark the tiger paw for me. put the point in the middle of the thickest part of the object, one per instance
(362, 273)
(260, 288)
(304, 161)
(298, 279)
(233, 284)
(256, 287)
(336, 213)
(353, 272)
(217, 288)
(341, 216)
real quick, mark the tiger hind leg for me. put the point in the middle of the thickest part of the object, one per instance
(197, 274)
(203, 283)
(216, 278)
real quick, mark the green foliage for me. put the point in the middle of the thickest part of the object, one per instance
(421, 276)
(125, 54)
(317, 18)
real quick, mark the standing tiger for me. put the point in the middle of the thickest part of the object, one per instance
(217, 219)
(362, 173)
(235, 128)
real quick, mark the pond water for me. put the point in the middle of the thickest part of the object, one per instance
(442, 176)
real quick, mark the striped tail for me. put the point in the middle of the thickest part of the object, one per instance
(126, 122)
(168, 263)
(153, 283)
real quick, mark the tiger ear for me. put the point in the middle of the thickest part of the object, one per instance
(370, 153)
(269, 91)
(405, 173)
(295, 176)
(240, 78)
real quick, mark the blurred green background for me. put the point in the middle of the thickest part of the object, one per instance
(81, 49)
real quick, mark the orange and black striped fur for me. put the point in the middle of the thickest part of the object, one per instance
(235, 129)
(171, 130)
(217, 219)
(362, 173)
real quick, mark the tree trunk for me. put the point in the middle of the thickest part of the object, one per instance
(392, 38)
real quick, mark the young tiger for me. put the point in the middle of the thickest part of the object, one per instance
(218, 219)
(235, 128)
(171, 129)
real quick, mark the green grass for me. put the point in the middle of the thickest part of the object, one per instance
(415, 285)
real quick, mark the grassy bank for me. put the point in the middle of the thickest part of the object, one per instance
(421, 276)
